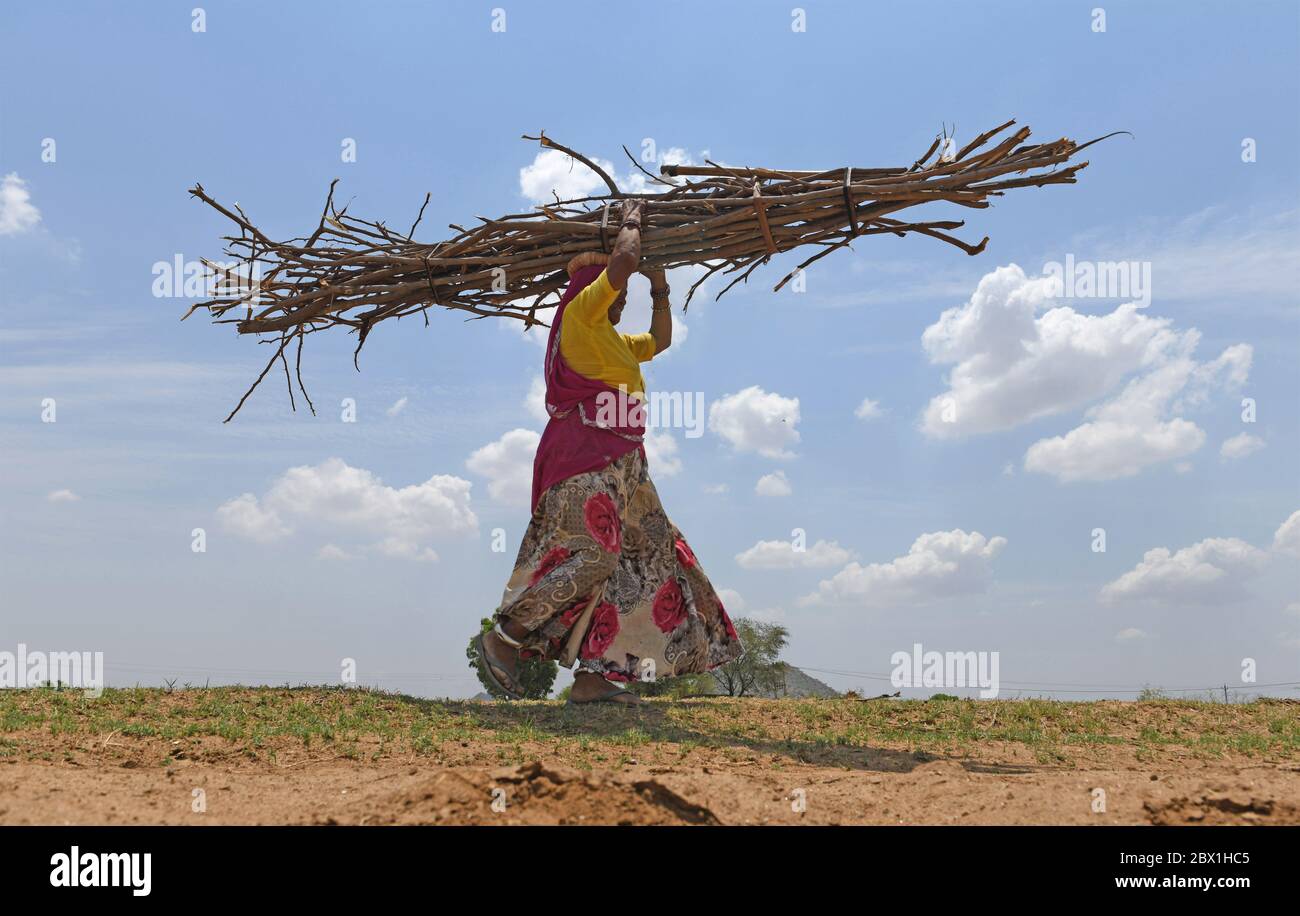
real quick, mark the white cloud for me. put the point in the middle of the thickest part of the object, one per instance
(1013, 365)
(552, 170)
(403, 549)
(738, 607)
(782, 555)
(245, 517)
(535, 335)
(1287, 537)
(661, 453)
(754, 420)
(17, 213)
(1207, 572)
(715, 489)
(63, 496)
(868, 410)
(1106, 451)
(638, 183)
(1213, 570)
(1128, 634)
(1132, 431)
(398, 406)
(731, 600)
(335, 496)
(1129, 432)
(941, 564)
(333, 552)
(535, 401)
(1239, 446)
(773, 485)
(508, 465)
(767, 615)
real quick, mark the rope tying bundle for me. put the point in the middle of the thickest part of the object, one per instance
(760, 210)
(848, 202)
(604, 225)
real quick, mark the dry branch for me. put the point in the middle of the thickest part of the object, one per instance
(355, 272)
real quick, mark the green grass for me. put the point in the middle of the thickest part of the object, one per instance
(367, 725)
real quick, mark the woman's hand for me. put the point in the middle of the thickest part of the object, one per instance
(626, 256)
(633, 209)
(661, 321)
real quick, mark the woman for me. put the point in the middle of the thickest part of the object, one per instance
(603, 577)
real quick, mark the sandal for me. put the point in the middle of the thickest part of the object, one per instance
(496, 675)
(610, 698)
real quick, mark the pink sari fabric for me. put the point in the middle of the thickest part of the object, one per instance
(573, 443)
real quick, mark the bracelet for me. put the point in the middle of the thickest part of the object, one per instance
(631, 224)
(660, 293)
(661, 308)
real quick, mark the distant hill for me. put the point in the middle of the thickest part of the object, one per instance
(797, 685)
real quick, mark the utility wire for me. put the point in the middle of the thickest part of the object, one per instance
(1064, 688)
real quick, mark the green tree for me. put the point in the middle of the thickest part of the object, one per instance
(759, 670)
(536, 675)
(686, 685)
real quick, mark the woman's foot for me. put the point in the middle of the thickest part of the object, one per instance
(589, 687)
(504, 661)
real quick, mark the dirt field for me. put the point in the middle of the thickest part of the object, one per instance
(311, 756)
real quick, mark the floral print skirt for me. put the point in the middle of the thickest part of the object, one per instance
(604, 578)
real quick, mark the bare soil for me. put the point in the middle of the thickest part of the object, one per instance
(323, 757)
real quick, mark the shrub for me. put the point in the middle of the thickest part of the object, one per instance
(536, 675)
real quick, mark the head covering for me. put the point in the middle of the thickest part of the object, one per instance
(586, 259)
(579, 279)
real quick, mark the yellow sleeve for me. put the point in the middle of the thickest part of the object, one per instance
(643, 346)
(592, 304)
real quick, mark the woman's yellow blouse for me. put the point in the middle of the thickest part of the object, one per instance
(592, 347)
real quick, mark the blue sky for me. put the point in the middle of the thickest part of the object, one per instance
(1071, 413)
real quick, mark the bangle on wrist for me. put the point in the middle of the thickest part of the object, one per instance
(659, 293)
(661, 308)
(631, 224)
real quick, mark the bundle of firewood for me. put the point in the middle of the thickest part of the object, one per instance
(729, 219)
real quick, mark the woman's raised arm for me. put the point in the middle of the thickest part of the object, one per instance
(626, 256)
(661, 317)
